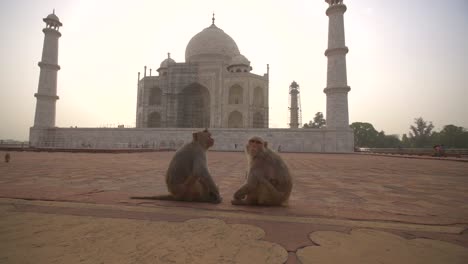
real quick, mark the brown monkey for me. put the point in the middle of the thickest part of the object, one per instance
(268, 179)
(187, 177)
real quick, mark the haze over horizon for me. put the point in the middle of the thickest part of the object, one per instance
(406, 59)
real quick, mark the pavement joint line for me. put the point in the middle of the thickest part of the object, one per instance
(200, 213)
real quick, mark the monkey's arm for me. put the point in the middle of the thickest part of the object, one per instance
(242, 192)
(260, 176)
(272, 189)
(201, 172)
(252, 180)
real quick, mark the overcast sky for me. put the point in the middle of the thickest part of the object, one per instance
(406, 59)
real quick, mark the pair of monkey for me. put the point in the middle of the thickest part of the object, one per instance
(188, 179)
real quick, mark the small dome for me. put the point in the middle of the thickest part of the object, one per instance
(239, 60)
(52, 19)
(166, 63)
(210, 43)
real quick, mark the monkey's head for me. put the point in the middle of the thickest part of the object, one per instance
(203, 138)
(255, 146)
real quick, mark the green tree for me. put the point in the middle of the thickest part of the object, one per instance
(453, 137)
(318, 122)
(365, 134)
(465, 140)
(420, 133)
(387, 141)
(405, 141)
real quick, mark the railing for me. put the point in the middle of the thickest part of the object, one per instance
(451, 152)
(14, 146)
(84, 150)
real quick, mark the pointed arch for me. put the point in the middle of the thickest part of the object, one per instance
(258, 121)
(194, 106)
(235, 120)
(154, 120)
(155, 96)
(236, 94)
(258, 99)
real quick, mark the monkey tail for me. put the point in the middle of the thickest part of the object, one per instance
(166, 197)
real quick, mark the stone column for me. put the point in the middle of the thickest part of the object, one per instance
(47, 90)
(337, 88)
(294, 106)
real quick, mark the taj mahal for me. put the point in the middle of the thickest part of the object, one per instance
(214, 88)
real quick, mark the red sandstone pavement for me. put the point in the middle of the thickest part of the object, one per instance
(411, 198)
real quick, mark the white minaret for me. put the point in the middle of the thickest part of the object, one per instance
(47, 90)
(337, 87)
(294, 105)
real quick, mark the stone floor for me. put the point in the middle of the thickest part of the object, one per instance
(344, 208)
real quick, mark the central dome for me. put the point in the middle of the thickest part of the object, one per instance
(211, 44)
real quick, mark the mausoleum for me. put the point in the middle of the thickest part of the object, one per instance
(214, 88)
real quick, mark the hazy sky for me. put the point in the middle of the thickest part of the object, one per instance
(406, 59)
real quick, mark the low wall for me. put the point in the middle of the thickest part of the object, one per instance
(452, 152)
(226, 139)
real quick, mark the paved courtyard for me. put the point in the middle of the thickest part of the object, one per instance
(344, 208)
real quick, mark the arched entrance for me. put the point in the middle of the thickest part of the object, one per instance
(154, 120)
(258, 97)
(155, 96)
(258, 121)
(194, 107)
(236, 94)
(235, 120)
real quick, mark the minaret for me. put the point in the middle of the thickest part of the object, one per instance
(294, 105)
(47, 90)
(337, 87)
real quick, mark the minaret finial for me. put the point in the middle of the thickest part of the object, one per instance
(213, 19)
(53, 11)
(168, 55)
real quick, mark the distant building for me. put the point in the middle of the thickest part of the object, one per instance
(213, 88)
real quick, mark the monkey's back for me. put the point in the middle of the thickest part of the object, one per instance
(181, 166)
(282, 173)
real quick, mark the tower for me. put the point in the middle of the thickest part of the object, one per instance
(294, 105)
(47, 89)
(337, 88)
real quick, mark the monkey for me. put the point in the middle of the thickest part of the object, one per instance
(334, 2)
(187, 177)
(269, 181)
(7, 157)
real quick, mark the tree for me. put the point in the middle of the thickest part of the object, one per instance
(365, 134)
(392, 141)
(387, 141)
(318, 122)
(405, 141)
(420, 133)
(453, 136)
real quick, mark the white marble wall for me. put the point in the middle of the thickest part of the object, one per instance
(285, 140)
(337, 85)
(47, 89)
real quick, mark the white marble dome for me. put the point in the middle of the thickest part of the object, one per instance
(239, 60)
(166, 62)
(53, 19)
(211, 43)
